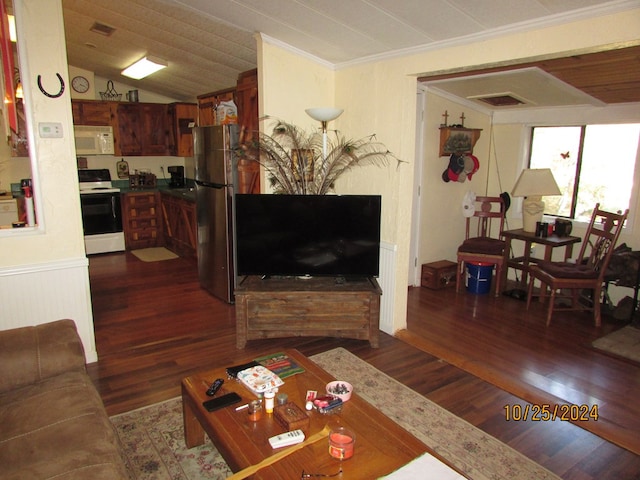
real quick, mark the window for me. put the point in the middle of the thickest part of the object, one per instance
(591, 164)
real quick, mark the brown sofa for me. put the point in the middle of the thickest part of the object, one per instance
(52, 421)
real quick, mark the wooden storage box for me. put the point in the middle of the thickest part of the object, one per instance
(291, 416)
(437, 275)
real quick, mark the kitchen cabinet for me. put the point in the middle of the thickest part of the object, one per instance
(141, 220)
(183, 117)
(143, 129)
(208, 103)
(247, 102)
(93, 112)
(179, 224)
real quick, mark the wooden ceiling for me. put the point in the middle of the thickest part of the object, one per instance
(611, 76)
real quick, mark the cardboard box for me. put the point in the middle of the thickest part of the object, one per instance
(437, 275)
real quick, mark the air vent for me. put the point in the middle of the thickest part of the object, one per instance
(102, 29)
(506, 99)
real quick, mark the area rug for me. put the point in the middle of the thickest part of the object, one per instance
(153, 439)
(154, 254)
(624, 342)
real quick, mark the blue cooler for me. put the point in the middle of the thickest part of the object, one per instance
(479, 277)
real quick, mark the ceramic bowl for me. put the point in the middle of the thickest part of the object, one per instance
(340, 389)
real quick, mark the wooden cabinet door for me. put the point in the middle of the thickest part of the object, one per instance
(129, 129)
(143, 128)
(92, 112)
(155, 128)
(182, 116)
(247, 101)
(179, 222)
(208, 103)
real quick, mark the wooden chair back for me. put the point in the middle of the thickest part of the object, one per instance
(600, 238)
(488, 215)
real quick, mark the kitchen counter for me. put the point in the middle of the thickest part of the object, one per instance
(188, 193)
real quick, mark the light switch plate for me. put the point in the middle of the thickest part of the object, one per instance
(50, 129)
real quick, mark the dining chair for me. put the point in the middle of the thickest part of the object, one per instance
(483, 237)
(584, 277)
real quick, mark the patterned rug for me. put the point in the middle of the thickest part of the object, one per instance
(153, 439)
(622, 343)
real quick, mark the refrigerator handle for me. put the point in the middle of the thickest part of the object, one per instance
(210, 184)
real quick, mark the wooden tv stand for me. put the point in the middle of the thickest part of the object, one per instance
(307, 307)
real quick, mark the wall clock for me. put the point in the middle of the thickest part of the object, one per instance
(80, 84)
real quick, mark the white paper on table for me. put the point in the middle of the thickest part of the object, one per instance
(425, 467)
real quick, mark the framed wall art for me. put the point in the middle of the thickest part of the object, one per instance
(458, 140)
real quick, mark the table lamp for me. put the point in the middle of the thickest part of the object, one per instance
(532, 184)
(324, 115)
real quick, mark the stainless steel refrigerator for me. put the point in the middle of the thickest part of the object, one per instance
(216, 179)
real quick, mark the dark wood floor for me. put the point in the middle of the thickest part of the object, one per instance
(154, 325)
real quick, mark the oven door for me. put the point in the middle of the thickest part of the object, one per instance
(101, 213)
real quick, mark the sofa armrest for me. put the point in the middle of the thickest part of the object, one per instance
(31, 354)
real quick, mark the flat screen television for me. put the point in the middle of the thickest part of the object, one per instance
(308, 235)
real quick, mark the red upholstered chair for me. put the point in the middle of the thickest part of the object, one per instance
(483, 238)
(583, 278)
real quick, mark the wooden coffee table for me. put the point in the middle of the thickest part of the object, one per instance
(381, 446)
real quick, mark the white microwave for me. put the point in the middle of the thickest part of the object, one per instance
(93, 140)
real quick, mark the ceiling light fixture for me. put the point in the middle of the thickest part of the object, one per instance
(144, 67)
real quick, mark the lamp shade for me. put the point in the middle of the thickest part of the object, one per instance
(324, 114)
(536, 182)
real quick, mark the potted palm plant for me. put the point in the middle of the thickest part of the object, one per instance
(297, 164)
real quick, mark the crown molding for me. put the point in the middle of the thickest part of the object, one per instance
(301, 53)
(610, 8)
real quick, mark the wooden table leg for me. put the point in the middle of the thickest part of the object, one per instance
(193, 431)
(507, 254)
(525, 263)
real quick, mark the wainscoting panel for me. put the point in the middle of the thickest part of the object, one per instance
(35, 294)
(387, 281)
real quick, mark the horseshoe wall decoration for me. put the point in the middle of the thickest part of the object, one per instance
(51, 95)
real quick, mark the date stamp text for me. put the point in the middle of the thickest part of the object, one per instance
(549, 412)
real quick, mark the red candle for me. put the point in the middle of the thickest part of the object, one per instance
(341, 443)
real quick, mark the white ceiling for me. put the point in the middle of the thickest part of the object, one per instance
(209, 42)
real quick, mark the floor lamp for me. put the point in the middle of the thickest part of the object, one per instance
(324, 116)
(533, 184)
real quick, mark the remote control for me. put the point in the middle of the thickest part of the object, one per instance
(286, 439)
(215, 386)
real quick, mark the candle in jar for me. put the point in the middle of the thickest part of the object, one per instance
(341, 443)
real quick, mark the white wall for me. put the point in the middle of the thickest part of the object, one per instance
(36, 262)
